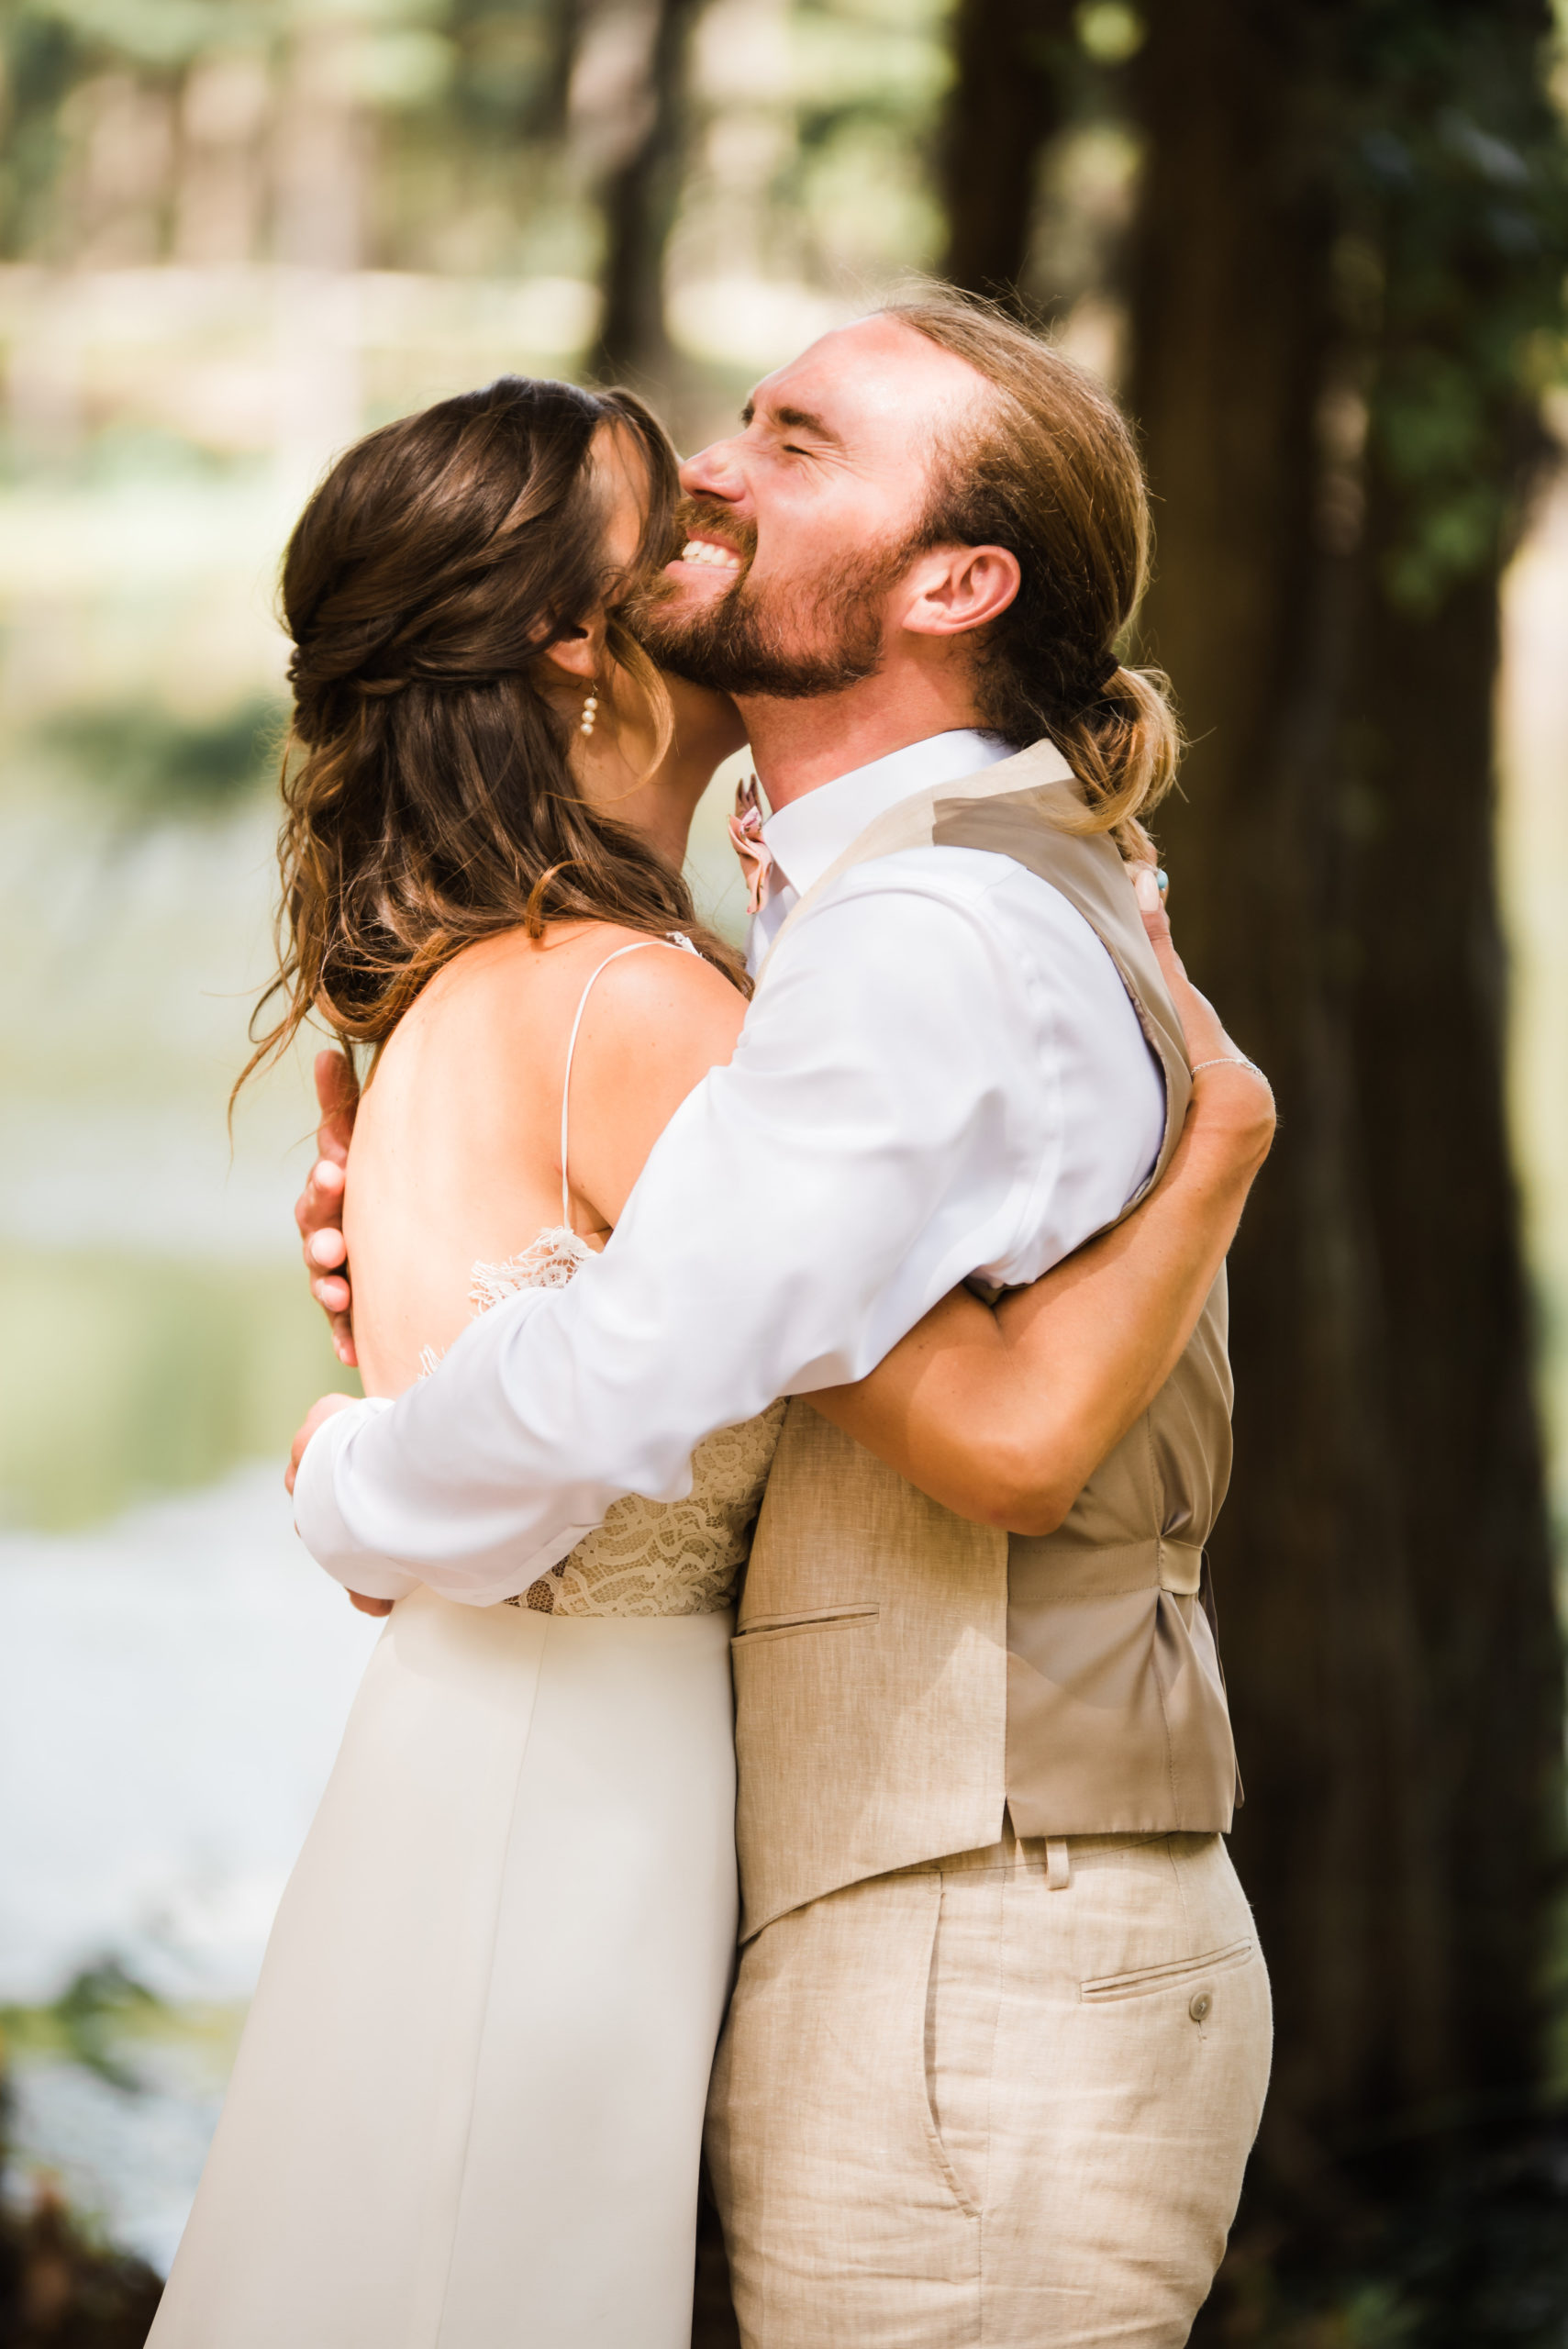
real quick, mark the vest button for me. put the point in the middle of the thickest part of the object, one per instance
(1199, 2004)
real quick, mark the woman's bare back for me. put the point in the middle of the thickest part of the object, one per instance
(456, 1157)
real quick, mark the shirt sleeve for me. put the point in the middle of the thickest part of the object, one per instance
(876, 1137)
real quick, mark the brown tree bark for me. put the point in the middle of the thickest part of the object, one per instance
(1006, 103)
(640, 200)
(1382, 1564)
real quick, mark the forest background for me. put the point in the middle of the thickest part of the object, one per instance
(1318, 246)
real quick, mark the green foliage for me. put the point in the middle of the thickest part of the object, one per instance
(1448, 158)
(87, 2021)
(469, 97)
(1108, 32)
(176, 1372)
(1475, 2258)
(857, 181)
(41, 61)
(150, 762)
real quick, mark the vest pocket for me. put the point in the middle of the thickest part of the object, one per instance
(1150, 1979)
(820, 1619)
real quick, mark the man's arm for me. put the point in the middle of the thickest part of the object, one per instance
(1003, 1416)
(876, 1137)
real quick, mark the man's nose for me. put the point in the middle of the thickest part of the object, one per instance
(714, 471)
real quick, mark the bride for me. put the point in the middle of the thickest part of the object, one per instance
(467, 2109)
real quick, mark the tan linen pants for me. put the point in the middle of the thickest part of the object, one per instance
(1004, 2099)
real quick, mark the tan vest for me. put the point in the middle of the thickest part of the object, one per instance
(902, 1676)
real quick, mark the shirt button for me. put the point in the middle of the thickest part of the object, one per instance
(1199, 2004)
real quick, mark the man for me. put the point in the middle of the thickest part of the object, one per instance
(1000, 2032)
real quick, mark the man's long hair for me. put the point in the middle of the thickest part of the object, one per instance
(1051, 472)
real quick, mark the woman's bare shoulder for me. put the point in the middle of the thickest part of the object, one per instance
(655, 1025)
(666, 1004)
(639, 1001)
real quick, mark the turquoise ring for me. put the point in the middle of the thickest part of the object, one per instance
(1162, 879)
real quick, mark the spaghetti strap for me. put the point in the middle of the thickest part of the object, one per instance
(678, 938)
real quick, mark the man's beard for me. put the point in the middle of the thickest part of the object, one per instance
(735, 643)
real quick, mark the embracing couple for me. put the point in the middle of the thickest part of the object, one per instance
(796, 1397)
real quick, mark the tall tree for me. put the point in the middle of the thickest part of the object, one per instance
(639, 198)
(1352, 225)
(1351, 220)
(1007, 100)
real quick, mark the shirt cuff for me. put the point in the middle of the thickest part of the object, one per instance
(318, 1520)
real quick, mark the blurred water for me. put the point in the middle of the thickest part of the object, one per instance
(172, 1689)
(127, 2162)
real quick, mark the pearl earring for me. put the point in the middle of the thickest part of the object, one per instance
(589, 715)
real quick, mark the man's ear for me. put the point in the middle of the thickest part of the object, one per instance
(955, 589)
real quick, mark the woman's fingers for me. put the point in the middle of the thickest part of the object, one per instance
(1204, 1035)
(338, 1093)
(318, 1211)
(1203, 1030)
(320, 1411)
(1156, 919)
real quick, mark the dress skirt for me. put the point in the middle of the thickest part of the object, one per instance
(467, 2107)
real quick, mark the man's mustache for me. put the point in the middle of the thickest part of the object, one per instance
(706, 518)
(694, 518)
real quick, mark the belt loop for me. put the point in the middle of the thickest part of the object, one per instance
(1058, 1863)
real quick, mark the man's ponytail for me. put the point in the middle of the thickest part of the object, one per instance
(1048, 469)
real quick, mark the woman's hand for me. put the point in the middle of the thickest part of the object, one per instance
(319, 1413)
(328, 1407)
(318, 1210)
(1232, 1096)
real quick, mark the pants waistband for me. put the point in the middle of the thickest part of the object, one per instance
(1050, 1854)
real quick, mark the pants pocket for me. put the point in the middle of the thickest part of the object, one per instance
(1146, 1979)
(962, 2010)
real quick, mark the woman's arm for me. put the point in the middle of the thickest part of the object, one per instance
(1003, 1416)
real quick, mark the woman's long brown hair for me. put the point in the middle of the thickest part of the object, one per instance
(428, 797)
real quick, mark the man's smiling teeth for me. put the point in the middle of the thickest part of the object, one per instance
(707, 551)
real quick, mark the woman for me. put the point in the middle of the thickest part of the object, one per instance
(468, 2105)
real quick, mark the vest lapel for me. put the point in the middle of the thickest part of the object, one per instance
(910, 824)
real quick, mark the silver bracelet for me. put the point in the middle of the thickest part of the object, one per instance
(1227, 1059)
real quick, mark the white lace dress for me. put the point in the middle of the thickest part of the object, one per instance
(467, 2109)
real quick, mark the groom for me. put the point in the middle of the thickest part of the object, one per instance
(999, 2036)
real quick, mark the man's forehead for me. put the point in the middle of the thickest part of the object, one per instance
(863, 380)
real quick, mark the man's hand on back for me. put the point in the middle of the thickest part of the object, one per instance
(318, 1211)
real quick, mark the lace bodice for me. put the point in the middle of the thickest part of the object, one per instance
(648, 1557)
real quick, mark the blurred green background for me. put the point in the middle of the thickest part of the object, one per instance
(1318, 246)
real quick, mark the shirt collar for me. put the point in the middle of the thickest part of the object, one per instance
(813, 831)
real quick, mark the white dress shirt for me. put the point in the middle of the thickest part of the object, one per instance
(813, 832)
(940, 1075)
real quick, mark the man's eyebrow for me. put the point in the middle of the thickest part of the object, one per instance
(801, 420)
(794, 419)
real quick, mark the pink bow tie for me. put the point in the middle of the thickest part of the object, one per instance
(746, 837)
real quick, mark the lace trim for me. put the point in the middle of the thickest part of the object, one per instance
(670, 1557)
(648, 1557)
(548, 1262)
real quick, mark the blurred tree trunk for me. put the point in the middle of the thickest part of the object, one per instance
(546, 116)
(640, 199)
(60, 2288)
(1383, 1562)
(1005, 104)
